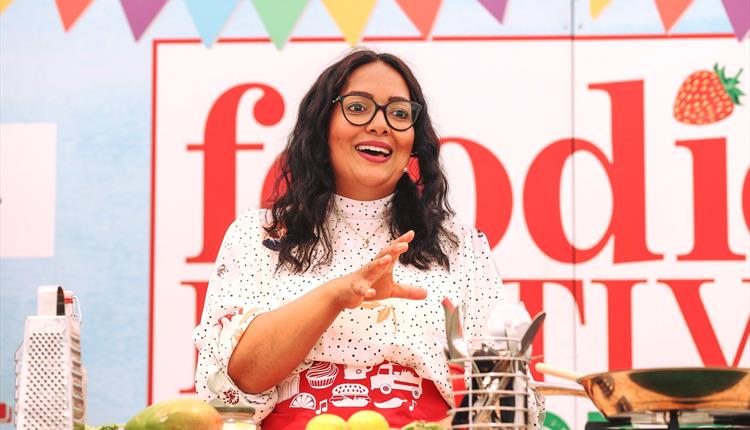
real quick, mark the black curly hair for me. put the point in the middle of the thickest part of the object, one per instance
(304, 189)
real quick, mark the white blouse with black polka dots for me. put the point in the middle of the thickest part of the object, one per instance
(406, 332)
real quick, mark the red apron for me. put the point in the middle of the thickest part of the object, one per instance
(395, 391)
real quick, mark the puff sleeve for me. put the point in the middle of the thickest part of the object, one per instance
(484, 291)
(236, 294)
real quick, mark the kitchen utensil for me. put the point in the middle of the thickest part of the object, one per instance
(500, 376)
(622, 393)
(484, 359)
(458, 351)
(450, 327)
(50, 377)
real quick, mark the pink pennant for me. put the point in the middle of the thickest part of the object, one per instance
(496, 8)
(71, 10)
(670, 11)
(738, 12)
(141, 13)
(422, 13)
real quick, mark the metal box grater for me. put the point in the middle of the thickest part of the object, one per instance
(50, 381)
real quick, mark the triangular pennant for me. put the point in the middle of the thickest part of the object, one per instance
(738, 12)
(350, 16)
(209, 17)
(422, 13)
(496, 8)
(141, 13)
(4, 4)
(71, 10)
(670, 11)
(597, 6)
(279, 18)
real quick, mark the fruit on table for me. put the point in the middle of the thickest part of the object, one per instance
(421, 425)
(177, 414)
(326, 422)
(367, 420)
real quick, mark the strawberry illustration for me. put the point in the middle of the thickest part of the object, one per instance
(707, 97)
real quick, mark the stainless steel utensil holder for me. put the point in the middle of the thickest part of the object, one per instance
(480, 414)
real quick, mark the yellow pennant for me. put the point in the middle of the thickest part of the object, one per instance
(351, 16)
(597, 6)
(4, 4)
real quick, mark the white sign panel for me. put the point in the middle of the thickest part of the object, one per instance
(27, 190)
(628, 227)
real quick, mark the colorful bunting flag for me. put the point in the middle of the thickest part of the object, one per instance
(279, 19)
(4, 4)
(738, 12)
(597, 6)
(350, 16)
(71, 10)
(209, 17)
(422, 13)
(141, 13)
(496, 8)
(670, 11)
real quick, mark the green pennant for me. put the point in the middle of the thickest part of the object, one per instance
(279, 18)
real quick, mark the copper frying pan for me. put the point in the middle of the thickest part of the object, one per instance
(621, 393)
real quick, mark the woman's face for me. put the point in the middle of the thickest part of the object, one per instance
(362, 174)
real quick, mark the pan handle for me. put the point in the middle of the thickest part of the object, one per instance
(557, 371)
(558, 389)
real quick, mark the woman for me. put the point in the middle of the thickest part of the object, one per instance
(331, 300)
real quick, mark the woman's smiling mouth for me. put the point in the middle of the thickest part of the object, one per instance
(377, 152)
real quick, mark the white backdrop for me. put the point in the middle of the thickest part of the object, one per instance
(643, 299)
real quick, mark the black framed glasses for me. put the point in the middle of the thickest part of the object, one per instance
(360, 109)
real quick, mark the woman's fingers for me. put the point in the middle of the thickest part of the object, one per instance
(404, 238)
(394, 249)
(372, 274)
(408, 236)
(362, 287)
(403, 291)
(376, 268)
(399, 246)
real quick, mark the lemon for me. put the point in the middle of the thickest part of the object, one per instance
(367, 420)
(326, 422)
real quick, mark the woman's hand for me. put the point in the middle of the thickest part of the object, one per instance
(375, 281)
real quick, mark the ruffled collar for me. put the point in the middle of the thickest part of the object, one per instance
(362, 209)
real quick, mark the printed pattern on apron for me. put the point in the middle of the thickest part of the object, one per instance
(395, 391)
